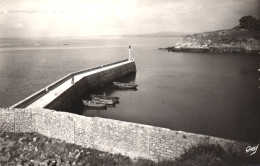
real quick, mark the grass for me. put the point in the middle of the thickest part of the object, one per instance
(207, 155)
(33, 149)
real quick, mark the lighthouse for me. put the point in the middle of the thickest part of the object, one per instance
(129, 57)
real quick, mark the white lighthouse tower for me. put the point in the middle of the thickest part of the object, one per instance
(130, 57)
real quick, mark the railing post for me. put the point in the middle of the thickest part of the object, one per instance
(72, 80)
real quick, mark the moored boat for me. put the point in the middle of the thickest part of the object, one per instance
(113, 98)
(125, 85)
(94, 104)
(107, 102)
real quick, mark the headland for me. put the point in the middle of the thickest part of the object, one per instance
(242, 39)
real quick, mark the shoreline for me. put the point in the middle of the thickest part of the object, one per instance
(231, 50)
(234, 41)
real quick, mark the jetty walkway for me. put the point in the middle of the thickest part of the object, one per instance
(73, 86)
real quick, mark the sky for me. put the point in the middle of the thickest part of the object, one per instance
(51, 18)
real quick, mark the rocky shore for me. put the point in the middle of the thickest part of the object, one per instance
(235, 40)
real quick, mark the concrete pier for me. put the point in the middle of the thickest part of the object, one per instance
(62, 93)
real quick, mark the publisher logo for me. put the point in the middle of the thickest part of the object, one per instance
(251, 149)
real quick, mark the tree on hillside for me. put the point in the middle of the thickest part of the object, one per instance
(249, 22)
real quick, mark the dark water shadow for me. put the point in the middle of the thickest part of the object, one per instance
(94, 108)
(128, 79)
(92, 112)
(247, 72)
(119, 89)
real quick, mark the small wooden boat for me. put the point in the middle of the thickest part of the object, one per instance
(114, 99)
(107, 102)
(125, 85)
(94, 104)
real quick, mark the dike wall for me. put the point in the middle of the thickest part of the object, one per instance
(96, 80)
(131, 139)
(86, 79)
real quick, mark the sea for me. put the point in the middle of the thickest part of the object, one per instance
(211, 94)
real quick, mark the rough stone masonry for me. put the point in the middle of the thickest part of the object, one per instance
(131, 139)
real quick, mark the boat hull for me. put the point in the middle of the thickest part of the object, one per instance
(107, 102)
(124, 85)
(94, 104)
(115, 99)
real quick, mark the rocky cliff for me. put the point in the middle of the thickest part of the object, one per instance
(224, 41)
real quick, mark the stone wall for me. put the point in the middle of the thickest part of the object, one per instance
(134, 140)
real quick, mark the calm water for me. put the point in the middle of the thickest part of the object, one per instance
(210, 94)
